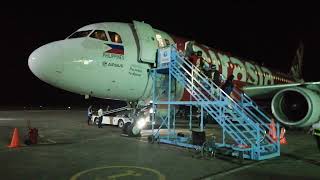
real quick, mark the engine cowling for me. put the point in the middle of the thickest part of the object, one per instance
(296, 107)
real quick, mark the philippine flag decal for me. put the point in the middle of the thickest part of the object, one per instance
(115, 49)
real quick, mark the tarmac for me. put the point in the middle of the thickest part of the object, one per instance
(69, 149)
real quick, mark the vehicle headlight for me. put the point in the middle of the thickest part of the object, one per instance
(141, 123)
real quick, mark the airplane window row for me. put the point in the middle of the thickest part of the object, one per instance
(98, 34)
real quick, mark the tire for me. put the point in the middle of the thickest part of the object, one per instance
(96, 120)
(151, 139)
(120, 123)
(125, 128)
(91, 122)
(133, 131)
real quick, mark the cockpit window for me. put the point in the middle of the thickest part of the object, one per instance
(115, 37)
(99, 34)
(80, 34)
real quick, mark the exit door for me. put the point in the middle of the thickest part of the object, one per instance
(147, 42)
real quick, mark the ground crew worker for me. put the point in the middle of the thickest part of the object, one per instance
(315, 129)
(100, 115)
(108, 107)
(89, 114)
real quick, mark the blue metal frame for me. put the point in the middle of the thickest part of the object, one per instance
(243, 121)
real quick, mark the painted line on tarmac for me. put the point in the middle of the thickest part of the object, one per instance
(11, 119)
(22, 147)
(129, 172)
(52, 141)
(230, 171)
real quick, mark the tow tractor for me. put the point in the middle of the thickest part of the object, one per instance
(118, 120)
(131, 123)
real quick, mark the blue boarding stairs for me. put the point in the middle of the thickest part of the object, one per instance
(244, 126)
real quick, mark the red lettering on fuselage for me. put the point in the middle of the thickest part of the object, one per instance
(245, 72)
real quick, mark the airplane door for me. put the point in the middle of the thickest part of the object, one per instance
(147, 42)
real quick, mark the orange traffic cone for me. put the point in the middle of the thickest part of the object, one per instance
(15, 139)
(283, 139)
(273, 131)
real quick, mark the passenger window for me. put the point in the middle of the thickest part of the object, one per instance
(99, 34)
(115, 37)
(160, 40)
(79, 34)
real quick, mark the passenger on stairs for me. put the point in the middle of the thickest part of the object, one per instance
(227, 87)
(190, 55)
(193, 59)
(216, 76)
(200, 61)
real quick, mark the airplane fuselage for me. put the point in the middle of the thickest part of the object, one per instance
(84, 65)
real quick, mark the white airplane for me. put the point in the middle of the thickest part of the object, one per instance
(111, 60)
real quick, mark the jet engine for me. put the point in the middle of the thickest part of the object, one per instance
(296, 107)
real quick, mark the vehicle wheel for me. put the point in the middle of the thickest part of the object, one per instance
(151, 139)
(125, 128)
(134, 131)
(96, 120)
(120, 123)
(91, 122)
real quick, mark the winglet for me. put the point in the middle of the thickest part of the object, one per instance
(296, 67)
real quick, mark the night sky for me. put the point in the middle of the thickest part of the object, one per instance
(267, 33)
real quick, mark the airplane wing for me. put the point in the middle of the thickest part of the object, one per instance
(270, 90)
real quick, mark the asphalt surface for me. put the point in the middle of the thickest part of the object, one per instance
(70, 149)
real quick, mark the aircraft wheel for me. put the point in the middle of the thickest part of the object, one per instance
(134, 131)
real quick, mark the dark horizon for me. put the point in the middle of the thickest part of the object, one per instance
(253, 31)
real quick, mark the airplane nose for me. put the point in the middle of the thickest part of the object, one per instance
(46, 63)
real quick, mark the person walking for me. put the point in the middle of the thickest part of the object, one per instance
(315, 129)
(89, 114)
(100, 115)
